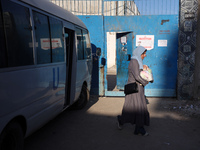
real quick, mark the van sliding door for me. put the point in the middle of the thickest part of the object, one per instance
(69, 36)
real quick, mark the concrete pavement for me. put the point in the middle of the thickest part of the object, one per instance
(94, 128)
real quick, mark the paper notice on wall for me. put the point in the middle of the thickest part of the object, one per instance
(146, 41)
(123, 40)
(45, 43)
(162, 43)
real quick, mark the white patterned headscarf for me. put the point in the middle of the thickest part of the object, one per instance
(137, 55)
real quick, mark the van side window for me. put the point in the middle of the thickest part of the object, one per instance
(57, 40)
(83, 44)
(16, 22)
(87, 45)
(80, 44)
(43, 49)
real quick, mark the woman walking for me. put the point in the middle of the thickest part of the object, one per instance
(135, 106)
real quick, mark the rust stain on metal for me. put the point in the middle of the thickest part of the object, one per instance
(164, 21)
(133, 37)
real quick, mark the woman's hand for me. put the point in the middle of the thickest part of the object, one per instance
(145, 67)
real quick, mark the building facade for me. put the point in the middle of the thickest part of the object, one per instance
(186, 10)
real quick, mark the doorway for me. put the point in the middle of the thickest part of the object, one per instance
(111, 61)
(119, 48)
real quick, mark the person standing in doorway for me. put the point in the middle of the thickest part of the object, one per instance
(135, 107)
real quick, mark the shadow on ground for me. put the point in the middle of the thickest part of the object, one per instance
(94, 128)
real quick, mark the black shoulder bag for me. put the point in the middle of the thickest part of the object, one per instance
(130, 88)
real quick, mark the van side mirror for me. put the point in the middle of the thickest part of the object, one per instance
(98, 51)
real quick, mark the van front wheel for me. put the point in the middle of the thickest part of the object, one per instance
(12, 137)
(83, 98)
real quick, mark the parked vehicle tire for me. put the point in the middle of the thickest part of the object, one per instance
(83, 98)
(12, 137)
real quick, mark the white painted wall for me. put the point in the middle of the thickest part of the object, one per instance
(111, 49)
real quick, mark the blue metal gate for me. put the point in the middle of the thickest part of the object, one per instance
(118, 16)
(162, 58)
(124, 44)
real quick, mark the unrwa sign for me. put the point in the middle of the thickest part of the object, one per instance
(147, 41)
(45, 43)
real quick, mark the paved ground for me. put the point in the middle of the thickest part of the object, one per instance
(94, 128)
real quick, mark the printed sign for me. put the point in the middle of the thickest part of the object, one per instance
(45, 43)
(123, 40)
(162, 43)
(146, 41)
(164, 31)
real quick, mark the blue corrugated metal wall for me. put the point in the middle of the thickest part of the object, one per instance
(162, 60)
(99, 25)
(139, 25)
(96, 24)
(187, 32)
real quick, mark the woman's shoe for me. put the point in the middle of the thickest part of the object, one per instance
(140, 131)
(146, 134)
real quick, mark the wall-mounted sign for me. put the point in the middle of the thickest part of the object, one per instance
(124, 40)
(162, 43)
(146, 41)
